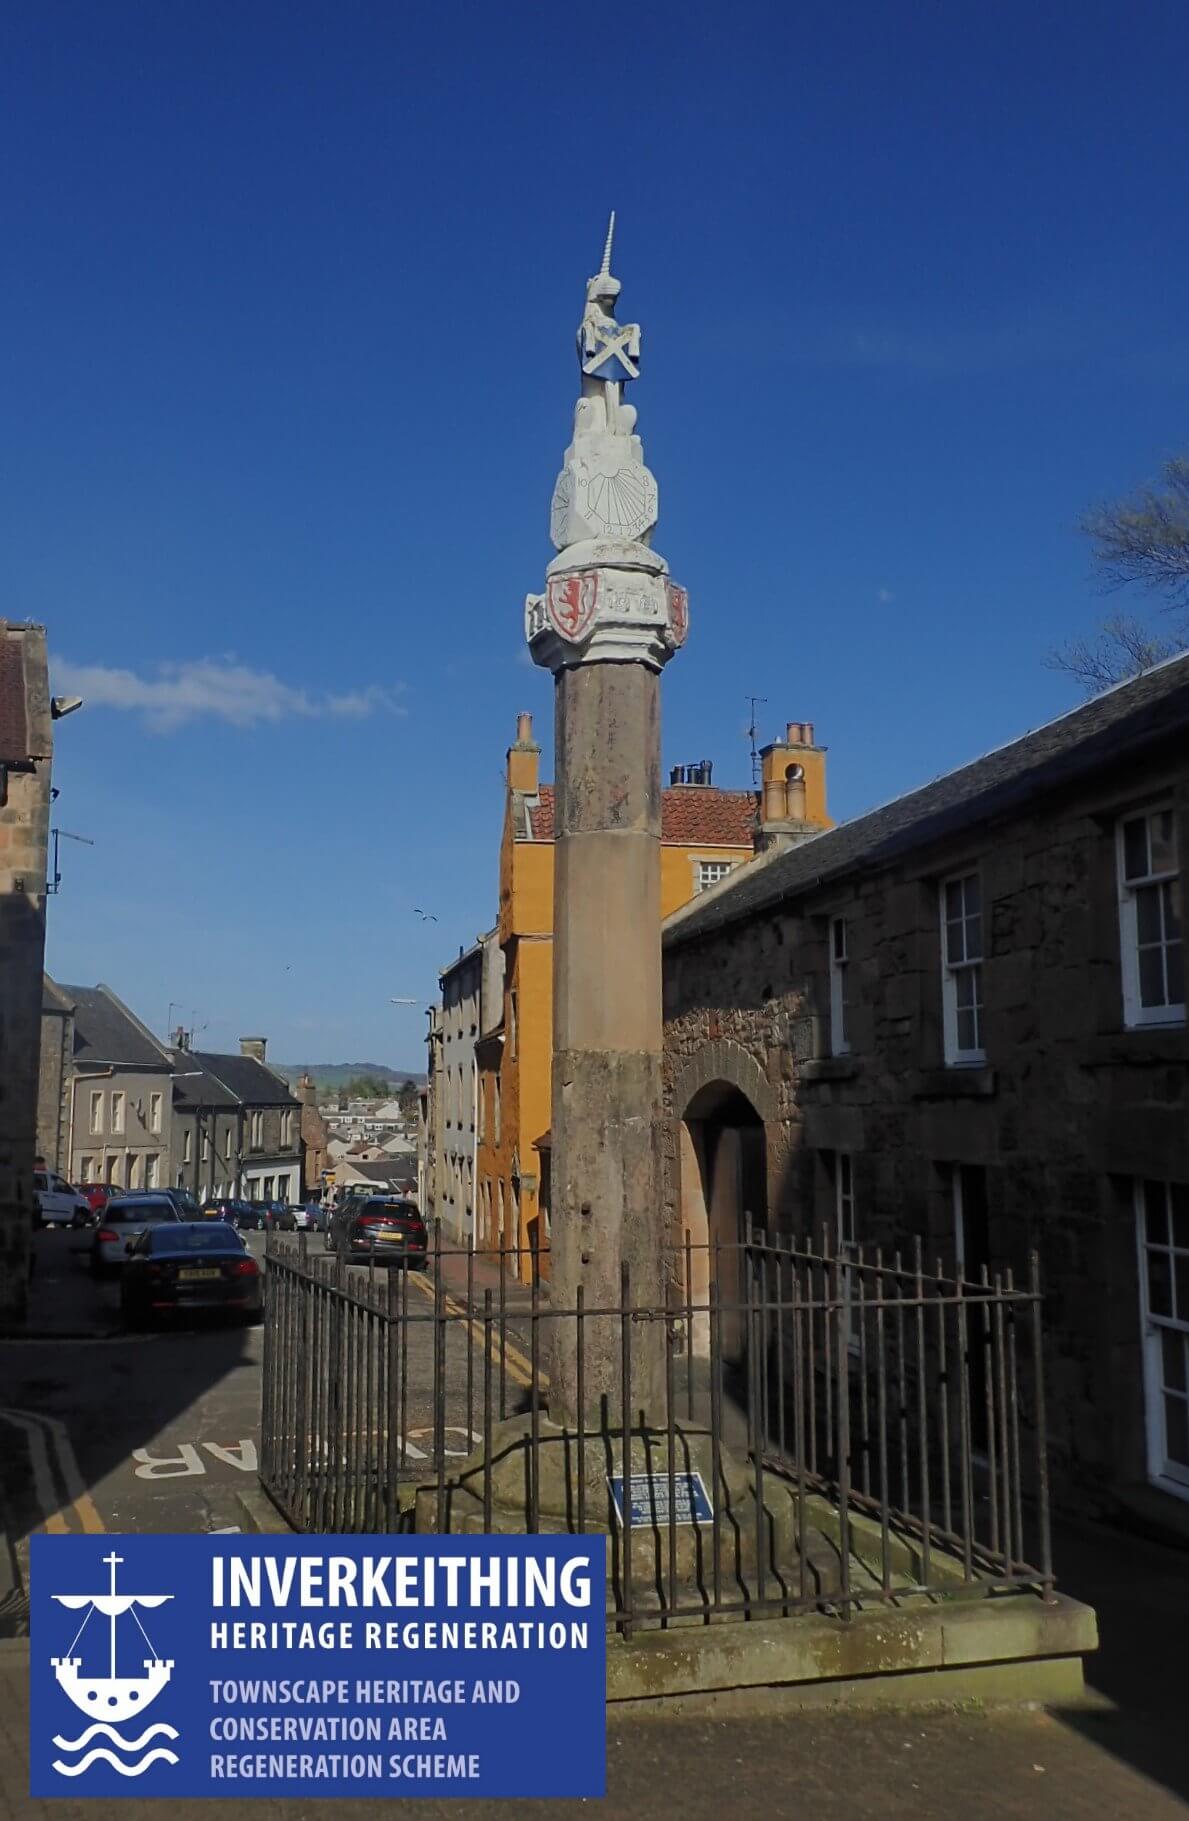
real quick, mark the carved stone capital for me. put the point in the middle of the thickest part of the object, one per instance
(606, 602)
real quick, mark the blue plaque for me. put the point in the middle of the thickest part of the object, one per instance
(239, 1666)
(651, 1503)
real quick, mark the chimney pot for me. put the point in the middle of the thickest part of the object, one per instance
(707, 770)
(677, 774)
(524, 730)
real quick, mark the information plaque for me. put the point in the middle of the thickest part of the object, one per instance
(239, 1666)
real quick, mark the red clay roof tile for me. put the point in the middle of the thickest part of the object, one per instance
(692, 815)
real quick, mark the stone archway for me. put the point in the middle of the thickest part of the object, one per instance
(724, 1107)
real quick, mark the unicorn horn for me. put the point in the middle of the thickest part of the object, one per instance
(605, 268)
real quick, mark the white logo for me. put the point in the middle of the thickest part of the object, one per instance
(109, 1699)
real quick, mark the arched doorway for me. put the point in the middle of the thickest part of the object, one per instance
(724, 1178)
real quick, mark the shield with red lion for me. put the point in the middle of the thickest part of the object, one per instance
(570, 602)
(678, 611)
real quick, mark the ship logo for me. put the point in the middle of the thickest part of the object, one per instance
(108, 1700)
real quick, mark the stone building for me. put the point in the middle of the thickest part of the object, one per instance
(315, 1136)
(53, 1081)
(452, 1130)
(706, 833)
(106, 1090)
(261, 1119)
(26, 746)
(961, 1017)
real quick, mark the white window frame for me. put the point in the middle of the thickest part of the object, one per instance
(186, 1145)
(839, 988)
(1136, 1015)
(117, 1111)
(717, 869)
(257, 1133)
(154, 1114)
(1169, 1476)
(96, 1110)
(958, 1055)
(152, 1170)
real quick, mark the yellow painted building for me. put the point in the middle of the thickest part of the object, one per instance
(705, 833)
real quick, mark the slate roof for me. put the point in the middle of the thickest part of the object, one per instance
(192, 1091)
(107, 1033)
(249, 1081)
(1124, 721)
(692, 815)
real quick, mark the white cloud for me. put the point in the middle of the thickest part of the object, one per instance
(216, 689)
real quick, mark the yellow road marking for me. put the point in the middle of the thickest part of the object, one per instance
(515, 1363)
(43, 1434)
(81, 1502)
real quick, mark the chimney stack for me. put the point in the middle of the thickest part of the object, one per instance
(255, 1047)
(180, 1039)
(524, 758)
(793, 797)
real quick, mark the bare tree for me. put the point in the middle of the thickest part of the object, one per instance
(1140, 541)
(1145, 539)
(1123, 648)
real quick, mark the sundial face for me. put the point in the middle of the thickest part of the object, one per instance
(621, 503)
(602, 498)
(559, 511)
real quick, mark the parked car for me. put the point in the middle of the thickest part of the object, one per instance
(125, 1218)
(385, 1227)
(303, 1216)
(184, 1200)
(227, 1208)
(97, 1195)
(174, 1267)
(57, 1200)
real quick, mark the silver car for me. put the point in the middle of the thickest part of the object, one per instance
(125, 1219)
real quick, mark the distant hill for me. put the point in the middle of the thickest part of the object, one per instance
(336, 1074)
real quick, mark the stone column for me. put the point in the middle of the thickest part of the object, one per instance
(608, 622)
(607, 1089)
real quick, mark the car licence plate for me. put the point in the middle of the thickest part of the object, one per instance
(189, 1277)
(396, 1238)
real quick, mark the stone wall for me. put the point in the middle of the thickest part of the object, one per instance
(26, 742)
(57, 1050)
(1068, 1112)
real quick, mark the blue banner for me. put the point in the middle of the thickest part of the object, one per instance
(243, 1666)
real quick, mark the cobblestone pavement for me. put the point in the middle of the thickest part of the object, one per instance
(974, 1766)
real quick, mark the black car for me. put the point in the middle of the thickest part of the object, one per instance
(188, 1265)
(235, 1213)
(385, 1228)
(184, 1201)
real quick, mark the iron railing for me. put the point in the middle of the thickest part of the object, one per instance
(836, 1428)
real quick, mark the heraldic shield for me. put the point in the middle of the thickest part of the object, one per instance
(570, 603)
(678, 612)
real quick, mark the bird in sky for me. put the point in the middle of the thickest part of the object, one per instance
(425, 916)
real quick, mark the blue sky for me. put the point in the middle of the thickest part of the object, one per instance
(288, 313)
